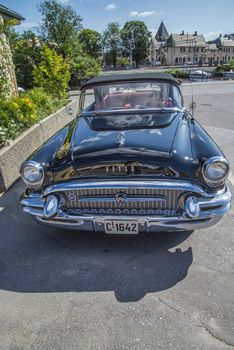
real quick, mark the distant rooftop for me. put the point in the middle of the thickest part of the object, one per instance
(223, 41)
(186, 39)
(8, 14)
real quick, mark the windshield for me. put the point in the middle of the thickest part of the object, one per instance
(132, 95)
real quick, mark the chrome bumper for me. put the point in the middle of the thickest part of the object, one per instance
(209, 209)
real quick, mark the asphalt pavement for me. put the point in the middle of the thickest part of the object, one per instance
(69, 290)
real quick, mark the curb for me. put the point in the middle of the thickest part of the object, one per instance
(13, 155)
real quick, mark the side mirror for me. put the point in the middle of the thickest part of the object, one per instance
(192, 106)
(70, 111)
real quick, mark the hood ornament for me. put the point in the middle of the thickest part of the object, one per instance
(120, 141)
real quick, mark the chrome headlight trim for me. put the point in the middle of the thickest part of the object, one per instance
(212, 181)
(41, 174)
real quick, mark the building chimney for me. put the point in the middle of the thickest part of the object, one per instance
(195, 33)
(182, 33)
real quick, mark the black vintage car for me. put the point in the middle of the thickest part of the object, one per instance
(134, 160)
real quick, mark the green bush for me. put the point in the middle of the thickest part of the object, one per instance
(46, 104)
(53, 73)
(226, 67)
(178, 73)
(19, 113)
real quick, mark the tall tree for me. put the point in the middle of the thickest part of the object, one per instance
(136, 36)
(112, 42)
(91, 42)
(26, 50)
(60, 26)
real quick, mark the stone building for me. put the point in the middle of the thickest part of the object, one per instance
(225, 49)
(8, 84)
(184, 48)
(157, 45)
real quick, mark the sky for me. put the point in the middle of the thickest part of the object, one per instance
(209, 17)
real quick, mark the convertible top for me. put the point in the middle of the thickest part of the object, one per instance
(129, 77)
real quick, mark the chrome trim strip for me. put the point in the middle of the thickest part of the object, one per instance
(186, 186)
(33, 202)
(127, 200)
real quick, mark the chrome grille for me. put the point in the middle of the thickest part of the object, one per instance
(137, 200)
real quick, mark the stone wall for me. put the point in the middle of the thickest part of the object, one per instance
(8, 85)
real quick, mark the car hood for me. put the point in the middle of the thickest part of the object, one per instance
(167, 145)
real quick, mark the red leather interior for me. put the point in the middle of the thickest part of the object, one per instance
(148, 98)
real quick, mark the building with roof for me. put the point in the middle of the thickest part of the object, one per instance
(157, 45)
(225, 47)
(176, 48)
(184, 48)
(8, 84)
(8, 14)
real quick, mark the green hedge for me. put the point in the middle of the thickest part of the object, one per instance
(19, 113)
(178, 73)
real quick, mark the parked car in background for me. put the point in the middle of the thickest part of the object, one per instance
(133, 160)
(200, 75)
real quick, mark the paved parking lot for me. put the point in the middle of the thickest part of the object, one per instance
(68, 290)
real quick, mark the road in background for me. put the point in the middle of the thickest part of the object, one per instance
(69, 290)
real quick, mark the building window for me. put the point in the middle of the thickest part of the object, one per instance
(188, 59)
(181, 49)
(176, 60)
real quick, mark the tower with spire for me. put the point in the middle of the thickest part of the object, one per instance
(162, 33)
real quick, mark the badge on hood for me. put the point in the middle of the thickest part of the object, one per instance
(120, 139)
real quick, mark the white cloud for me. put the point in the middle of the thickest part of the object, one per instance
(212, 35)
(144, 14)
(111, 7)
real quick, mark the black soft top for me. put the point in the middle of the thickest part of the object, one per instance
(129, 77)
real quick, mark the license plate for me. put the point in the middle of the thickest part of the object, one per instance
(121, 227)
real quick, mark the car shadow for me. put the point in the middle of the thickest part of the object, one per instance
(38, 259)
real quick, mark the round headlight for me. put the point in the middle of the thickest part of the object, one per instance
(33, 174)
(215, 170)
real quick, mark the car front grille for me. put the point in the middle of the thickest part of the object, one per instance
(131, 201)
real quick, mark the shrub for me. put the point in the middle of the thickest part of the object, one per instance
(46, 104)
(178, 73)
(19, 113)
(52, 73)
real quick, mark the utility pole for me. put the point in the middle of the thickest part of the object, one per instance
(130, 58)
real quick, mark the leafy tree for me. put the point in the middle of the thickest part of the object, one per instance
(112, 43)
(136, 35)
(91, 42)
(60, 26)
(84, 67)
(26, 50)
(53, 73)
